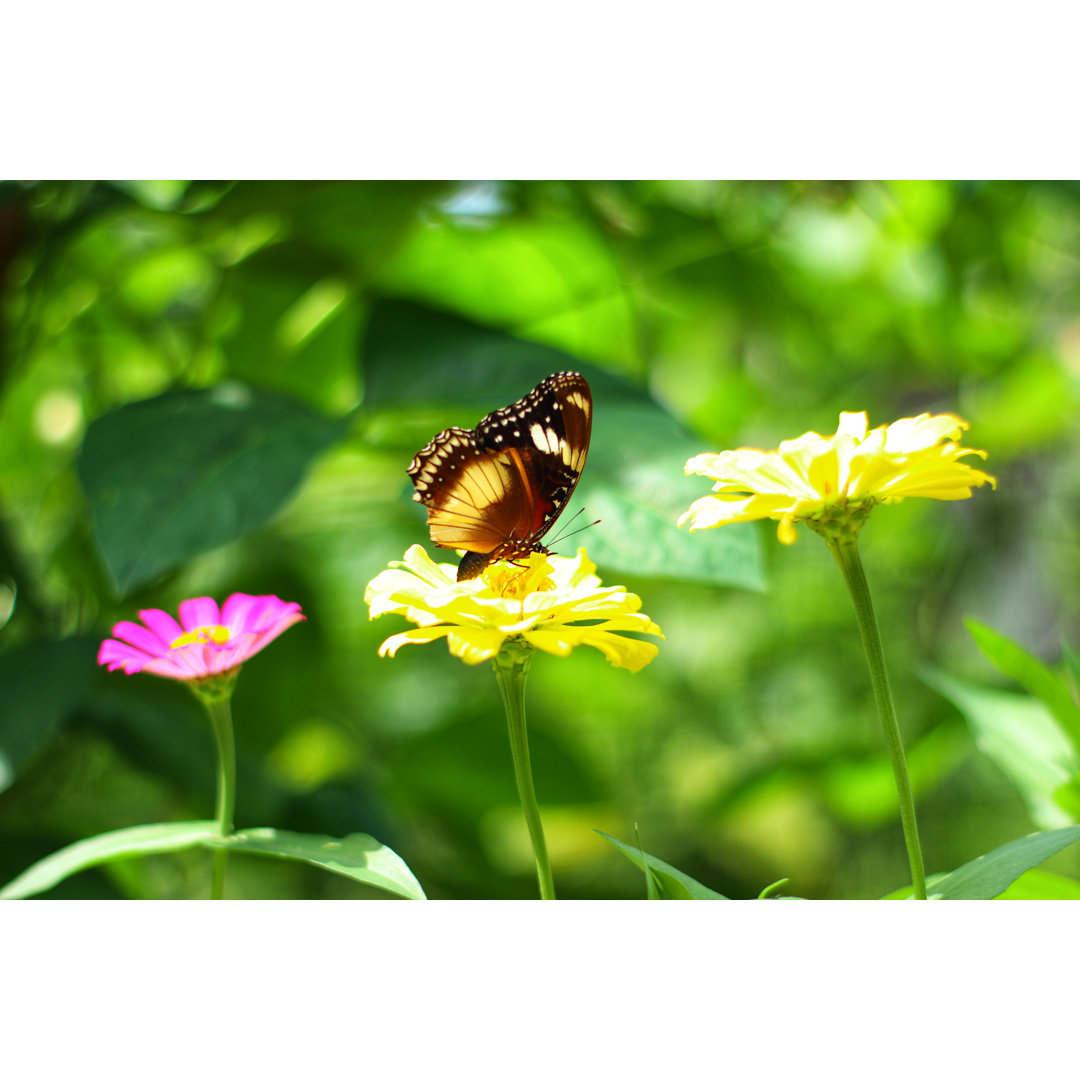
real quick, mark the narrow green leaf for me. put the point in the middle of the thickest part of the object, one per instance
(357, 856)
(674, 884)
(769, 890)
(1018, 734)
(652, 888)
(121, 844)
(1016, 662)
(41, 684)
(180, 474)
(991, 874)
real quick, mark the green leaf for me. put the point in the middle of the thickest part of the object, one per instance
(121, 844)
(673, 884)
(769, 890)
(1021, 738)
(1035, 677)
(357, 856)
(633, 480)
(180, 474)
(42, 683)
(652, 885)
(991, 874)
(1042, 885)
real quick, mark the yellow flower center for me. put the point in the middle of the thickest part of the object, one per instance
(203, 635)
(511, 580)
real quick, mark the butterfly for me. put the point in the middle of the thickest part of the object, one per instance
(494, 491)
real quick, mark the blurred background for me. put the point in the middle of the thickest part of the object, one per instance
(320, 333)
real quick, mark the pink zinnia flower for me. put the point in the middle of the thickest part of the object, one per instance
(206, 642)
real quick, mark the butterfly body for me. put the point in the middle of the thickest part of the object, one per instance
(496, 490)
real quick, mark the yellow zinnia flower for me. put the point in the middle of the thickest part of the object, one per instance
(553, 604)
(836, 480)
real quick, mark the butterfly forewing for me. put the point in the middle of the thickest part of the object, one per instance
(495, 491)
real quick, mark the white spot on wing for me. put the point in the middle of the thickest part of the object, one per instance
(544, 439)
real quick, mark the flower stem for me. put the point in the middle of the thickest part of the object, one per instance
(511, 668)
(221, 722)
(846, 551)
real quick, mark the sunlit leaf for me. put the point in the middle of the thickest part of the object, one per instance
(991, 874)
(673, 884)
(357, 856)
(180, 474)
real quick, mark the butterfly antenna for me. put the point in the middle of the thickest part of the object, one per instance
(563, 535)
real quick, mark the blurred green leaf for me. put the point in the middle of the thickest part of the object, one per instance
(633, 480)
(1035, 677)
(121, 844)
(1072, 666)
(40, 684)
(991, 874)
(357, 856)
(673, 884)
(1021, 737)
(180, 474)
(862, 790)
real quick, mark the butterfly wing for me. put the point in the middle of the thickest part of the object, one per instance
(494, 492)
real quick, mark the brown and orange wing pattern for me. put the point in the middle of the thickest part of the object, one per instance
(495, 491)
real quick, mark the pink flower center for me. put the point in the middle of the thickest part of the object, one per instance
(203, 635)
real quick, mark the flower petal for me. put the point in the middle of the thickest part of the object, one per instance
(826, 479)
(477, 616)
(141, 638)
(202, 611)
(162, 624)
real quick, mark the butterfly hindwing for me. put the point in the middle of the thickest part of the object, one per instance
(496, 490)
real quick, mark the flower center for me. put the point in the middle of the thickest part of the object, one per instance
(512, 580)
(203, 635)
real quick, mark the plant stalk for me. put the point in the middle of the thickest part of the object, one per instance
(221, 721)
(845, 549)
(511, 669)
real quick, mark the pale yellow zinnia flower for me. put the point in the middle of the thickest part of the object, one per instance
(553, 604)
(836, 479)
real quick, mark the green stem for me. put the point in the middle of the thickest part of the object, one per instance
(511, 669)
(846, 551)
(221, 722)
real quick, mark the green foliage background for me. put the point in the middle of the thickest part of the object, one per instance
(349, 322)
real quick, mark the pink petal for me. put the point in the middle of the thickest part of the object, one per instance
(171, 667)
(202, 611)
(254, 614)
(236, 612)
(162, 623)
(118, 655)
(141, 638)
